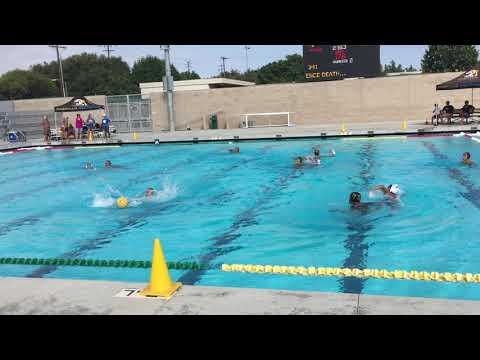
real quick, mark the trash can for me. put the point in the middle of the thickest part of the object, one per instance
(213, 121)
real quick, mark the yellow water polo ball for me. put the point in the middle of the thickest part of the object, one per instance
(122, 202)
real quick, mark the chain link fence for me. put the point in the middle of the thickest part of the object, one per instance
(130, 113)
(29, 122)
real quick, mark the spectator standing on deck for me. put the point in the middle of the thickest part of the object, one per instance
(46, 128)
(79, 126)
(90, 126)
(64, 127)
(106, 126)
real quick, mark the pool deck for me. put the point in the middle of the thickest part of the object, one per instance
(53, 296)
(80, 297)
(262, 133)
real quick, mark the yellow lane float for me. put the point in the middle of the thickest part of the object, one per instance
(359, 273)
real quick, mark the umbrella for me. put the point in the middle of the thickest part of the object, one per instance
(468, 80)
(78, 103)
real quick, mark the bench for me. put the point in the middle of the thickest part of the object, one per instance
(456, 115)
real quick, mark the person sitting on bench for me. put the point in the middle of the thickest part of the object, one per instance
(466, 111)
(447, 112)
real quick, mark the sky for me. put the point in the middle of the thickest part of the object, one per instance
(204, 59)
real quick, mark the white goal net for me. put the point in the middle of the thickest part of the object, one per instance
(266, 119)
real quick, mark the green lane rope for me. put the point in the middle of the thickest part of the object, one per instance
(139, 264)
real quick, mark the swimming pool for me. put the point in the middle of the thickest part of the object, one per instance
(252, 207)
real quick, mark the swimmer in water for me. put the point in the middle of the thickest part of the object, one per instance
(235, 150)
(466, 159)
(150, 192)
(390, 191)
(299, 161)
(88, 165)
(355, 201)
(108, 164)
(316, 153)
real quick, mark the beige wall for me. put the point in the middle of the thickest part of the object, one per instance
(394, 98)
(48, 104)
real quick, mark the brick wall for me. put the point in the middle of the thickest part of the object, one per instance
(395, 98)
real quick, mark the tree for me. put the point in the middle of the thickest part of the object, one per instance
(89, 74)
(410, 69)
(232, 74)
(24, 84)
(290, 69)
(393, 67)
(150, 69)
(250, 75)
(189, 75)
(445, 58)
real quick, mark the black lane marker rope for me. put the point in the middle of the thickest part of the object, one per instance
(244, 219)
(26, 220)
(355, 244)
(105, 237)
(473, 193)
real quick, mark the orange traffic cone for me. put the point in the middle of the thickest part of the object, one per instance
(161, 284)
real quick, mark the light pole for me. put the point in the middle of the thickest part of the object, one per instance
(168, 86)
(59, 61)
(246, 55)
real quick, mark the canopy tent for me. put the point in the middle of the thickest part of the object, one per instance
(78, 103)
(468, 80)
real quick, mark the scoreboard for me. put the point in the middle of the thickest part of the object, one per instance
(336, 62)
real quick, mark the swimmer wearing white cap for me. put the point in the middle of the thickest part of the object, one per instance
(392, 191)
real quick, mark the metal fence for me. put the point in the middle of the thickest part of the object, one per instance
(130, 113)
(29, 122)
(4, 125)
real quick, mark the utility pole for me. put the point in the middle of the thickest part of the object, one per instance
(246, 55)
(108, 50)
(223, 58)
(188, 66)
(168, 86)
(59, 60)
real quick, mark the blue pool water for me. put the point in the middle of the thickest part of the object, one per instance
(251, 208)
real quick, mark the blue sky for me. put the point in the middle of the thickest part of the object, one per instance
(205, 59)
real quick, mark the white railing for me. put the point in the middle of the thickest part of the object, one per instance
(246, 125)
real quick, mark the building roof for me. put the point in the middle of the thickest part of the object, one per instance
(198, 84)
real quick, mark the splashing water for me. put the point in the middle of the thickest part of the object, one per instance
(102, 201)
(168, 192)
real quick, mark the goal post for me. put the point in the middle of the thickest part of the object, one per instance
(270, 119)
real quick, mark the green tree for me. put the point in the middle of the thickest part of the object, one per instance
(250, 75)
(24, 84)
(392, 67)
(290, 69)
(232, 74)
(90, 74)
(410, 68)
(150, 69)
(189, 75)
(445, 58)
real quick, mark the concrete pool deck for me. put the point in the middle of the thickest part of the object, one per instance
(261, 133)
(27, 296)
